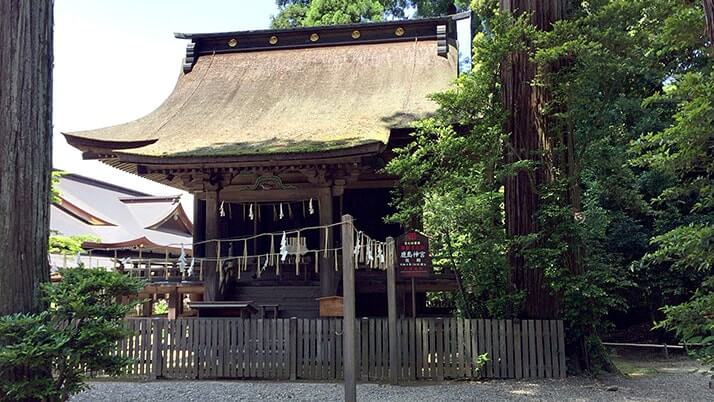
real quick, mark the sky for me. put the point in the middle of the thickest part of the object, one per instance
(116, 61)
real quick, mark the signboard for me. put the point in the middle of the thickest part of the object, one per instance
(413, 258)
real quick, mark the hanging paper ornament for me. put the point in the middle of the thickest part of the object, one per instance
(182, 260)
(189, 272)
(250, 212)
(265, 264)
(281, 211)
(78, 261)
(297, 254)
(221, 211)
(380, 254)
(283, 248)
(327, 235)
(358, 246)
(370, 257)
(272, 249)
(310, 208)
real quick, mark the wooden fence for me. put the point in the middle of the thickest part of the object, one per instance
(311, 349)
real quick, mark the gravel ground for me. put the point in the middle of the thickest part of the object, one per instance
(667, 381)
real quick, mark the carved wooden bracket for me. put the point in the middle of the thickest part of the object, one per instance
(268, 182)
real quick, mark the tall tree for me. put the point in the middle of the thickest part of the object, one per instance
(297, 13)
(528, 149)
(709, 20)
(25, 151)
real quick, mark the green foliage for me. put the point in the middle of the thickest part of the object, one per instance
(69, 245)
(481, 361)
(630, 86)
(161, 307)
(333, 12)
(55, 193)
(298, 13)
(693, 322)
(76, 335)
(451, 176)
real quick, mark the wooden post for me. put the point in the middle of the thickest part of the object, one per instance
(147, 308)
(210, 276)
(175, 304)
(327, 273)
(348, 286)
(392, 314)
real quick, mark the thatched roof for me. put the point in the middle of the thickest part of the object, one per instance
(285, 101)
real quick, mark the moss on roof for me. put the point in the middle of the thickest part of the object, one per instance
(299, 100)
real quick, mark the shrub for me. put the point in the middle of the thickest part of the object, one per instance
(76, 335)
(693, 322)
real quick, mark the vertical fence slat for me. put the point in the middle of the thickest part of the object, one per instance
(418, 347)
(546, 350)
(485, 326)
(510, 350)
(518, 357)
(554, 349)
(503, 355)
(561, 349)
(539, 348)
(427, 346)
(338, 349)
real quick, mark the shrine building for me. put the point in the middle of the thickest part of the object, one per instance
(278, 130)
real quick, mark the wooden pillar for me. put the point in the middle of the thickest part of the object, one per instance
(147, 307)
(327, 271)
(392, 315)
(175, 304)
(348, 283)
(210, 276)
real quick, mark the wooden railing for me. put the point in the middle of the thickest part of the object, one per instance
(291, 349)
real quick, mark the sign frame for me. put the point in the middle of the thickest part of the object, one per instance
(413, 241)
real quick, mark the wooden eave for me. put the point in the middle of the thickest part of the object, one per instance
(138, 243)
(92, 145)
(81, 214)
(182, 218)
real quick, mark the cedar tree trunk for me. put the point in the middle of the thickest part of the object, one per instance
(528, 140)
(25, 151)
(709, 19)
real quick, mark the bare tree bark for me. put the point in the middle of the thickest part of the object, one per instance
(709, 19)
(25, 151)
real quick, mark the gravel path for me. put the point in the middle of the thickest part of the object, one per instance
(675, 386)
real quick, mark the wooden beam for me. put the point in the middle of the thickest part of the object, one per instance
(392, 314)
(210, 276)
(327, 272)
(348, 284)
